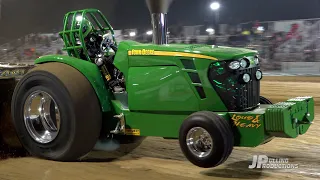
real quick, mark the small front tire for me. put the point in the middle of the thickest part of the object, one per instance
(215, 139)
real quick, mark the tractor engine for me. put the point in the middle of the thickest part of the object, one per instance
(95, 46)
(114, 76)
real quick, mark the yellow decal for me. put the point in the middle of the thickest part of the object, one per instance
(108, 77)
(141, 52)
(133, 132)
(245, 121)
(6, 73)
(146, 52)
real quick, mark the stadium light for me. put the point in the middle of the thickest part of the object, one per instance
(149, 33)
(79, 18)
(260, 28)
(215, 6)
(132, 34)
(210, 30)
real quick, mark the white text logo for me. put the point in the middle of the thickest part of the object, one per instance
(263, 161)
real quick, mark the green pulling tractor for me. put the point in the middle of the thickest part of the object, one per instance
(206, 96)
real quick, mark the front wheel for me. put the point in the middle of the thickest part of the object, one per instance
(56, 113)
(206, 139)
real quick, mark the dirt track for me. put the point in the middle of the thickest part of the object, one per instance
(157, 158)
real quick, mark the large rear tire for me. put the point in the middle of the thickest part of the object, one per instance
(10, 145)
(69, 123)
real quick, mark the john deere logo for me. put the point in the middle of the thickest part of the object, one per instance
(142, 52)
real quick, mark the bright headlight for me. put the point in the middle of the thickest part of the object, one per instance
(244, 63)
(234, 65)
(246, 78)
(259, 75)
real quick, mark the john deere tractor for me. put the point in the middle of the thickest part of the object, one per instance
(206, 96)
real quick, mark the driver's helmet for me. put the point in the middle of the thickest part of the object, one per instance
(87, 27)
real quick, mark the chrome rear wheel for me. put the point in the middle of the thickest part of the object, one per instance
(42, 117)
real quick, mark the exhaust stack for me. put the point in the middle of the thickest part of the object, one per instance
(158, 10)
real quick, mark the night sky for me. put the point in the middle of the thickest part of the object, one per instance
(20, 17)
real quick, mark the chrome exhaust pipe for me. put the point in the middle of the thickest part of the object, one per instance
(158, 10)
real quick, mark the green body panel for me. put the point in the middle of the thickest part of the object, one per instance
(166, 124)
(152, 81)
(248, 127)
(139, 73)
(160, 88)
(138, 67)
(89, 70)
(144, 61)
(123, 62)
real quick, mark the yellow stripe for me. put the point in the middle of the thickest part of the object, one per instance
(179, 54)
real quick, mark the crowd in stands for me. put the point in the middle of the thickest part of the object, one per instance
(273, 47)
(30, 47)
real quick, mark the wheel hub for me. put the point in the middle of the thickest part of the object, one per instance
(199, 142)
(41, 117)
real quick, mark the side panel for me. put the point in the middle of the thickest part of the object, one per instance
(249, 127)
(195, 72)
(121, 59)
(157, 125)
(90, 71)
(165, 125)
(143, 61)
(160, 88)
(212, 101)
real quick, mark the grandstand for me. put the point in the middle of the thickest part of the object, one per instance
(282, 41)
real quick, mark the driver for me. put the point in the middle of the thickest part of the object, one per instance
(92, 40)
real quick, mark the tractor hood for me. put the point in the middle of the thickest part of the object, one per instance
(198, 50)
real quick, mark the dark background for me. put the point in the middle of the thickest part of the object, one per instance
(20, 17)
